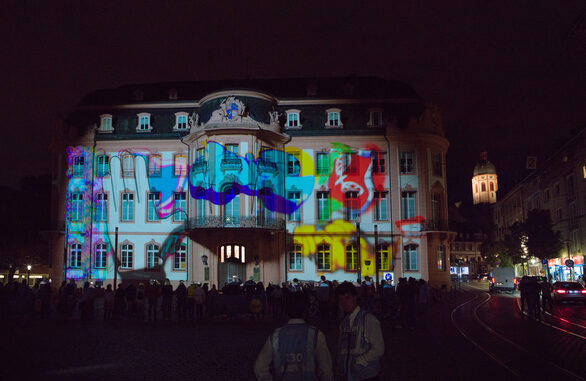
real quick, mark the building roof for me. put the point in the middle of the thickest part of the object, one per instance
(283, 88)
(484, 167)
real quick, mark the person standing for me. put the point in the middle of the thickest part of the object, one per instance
(152, 294)
(296, 351)
(361, 343)
(323, 299)
(167, 295)
(181, 295)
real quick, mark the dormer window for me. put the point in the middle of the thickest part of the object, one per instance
(180, 121)
(106, 123)
(312, 90)
(293, 119)
(334, 119)
(375, 118)
(144, 122)
(138, 95)
(173, 94)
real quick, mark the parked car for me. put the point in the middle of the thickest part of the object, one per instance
(568, 291)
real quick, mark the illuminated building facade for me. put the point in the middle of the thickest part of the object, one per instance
(559, 186)
(484, 182)
(269, 179)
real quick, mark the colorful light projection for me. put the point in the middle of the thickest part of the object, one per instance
(261, 175)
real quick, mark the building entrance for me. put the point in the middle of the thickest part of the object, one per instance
(232, 264)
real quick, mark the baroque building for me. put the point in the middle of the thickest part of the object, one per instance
(264, 179)
(484, 182)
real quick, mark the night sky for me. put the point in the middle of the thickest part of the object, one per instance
(509, 77)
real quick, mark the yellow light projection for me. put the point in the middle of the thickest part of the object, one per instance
(337, 235)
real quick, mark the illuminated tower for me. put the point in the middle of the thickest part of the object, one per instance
(484, 182)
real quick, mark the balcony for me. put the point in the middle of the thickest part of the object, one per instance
(267, 166)
(231, 163)
(199, 165)
(437, 225)
(210, 222)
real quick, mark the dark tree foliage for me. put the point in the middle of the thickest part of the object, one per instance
(495, 252)
(542, 241)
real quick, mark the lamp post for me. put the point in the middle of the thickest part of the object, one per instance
(358, 247)
(28, 275)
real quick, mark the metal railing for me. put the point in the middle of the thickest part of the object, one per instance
(235, 222)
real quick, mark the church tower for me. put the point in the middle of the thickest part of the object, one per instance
(484, 182)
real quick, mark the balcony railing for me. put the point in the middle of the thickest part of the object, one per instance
(231, 163)
(199, 165)
(267, 166)
(438, 225)
(235, 222)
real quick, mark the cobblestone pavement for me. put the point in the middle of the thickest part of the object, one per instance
(214, 350)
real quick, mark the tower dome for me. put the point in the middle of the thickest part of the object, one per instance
(484, 181)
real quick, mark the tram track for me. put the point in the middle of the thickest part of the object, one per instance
(500, 348)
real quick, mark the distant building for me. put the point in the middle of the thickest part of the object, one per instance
(484, 182)
(559, 186)
(269, 179)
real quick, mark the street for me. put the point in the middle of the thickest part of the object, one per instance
(471, 335)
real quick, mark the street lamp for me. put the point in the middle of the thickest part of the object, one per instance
(28, 276)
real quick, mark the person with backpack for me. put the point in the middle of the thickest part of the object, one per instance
(296, 351)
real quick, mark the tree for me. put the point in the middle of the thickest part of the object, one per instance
(513, 242)
(495, 252)
(541, 240)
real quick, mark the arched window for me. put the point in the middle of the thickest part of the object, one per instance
(152, 256)
(232, 206)
(351, 257)
(492, 186)
(323, 257)
(410, 257)
(483, 187)
(382, 257)
(295, 258)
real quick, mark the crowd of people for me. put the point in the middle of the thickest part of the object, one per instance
(531, 290)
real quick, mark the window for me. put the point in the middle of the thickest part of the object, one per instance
(556, 189)
(437, 164)
(570, 185)
(408, 204)
(155, 162)
(380, 206)
(231, 151)
(382, 257)
(483, 187)
(201, 153)
(179, 206)
(293, 120)
(232, 206)
(127, 207)
(350, 163)
(200, 204)
(351, 257)
(127, 165)
(78, 166)
(102, 207)
(558, 214)
(435, 208)
(293, 163)
(101, 255)
(75, 255)
(333, 118)
(152, 253)
(407, 162)
(378, 162)
(144, 122)
(294, 202)
(180, 165)
(152, 204)
(323, 163)
(126, 256)
(295, 258)
(323, 258)
(441, 257)
(323, 206)
(106, 123)
(181, 121)
(103, 168)
(180, 257)
(266, 206)
(351, 205)
(410, 257)
(575, 240)
(572, 211)
(546, 195)
(76, 206)
(375, 118)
